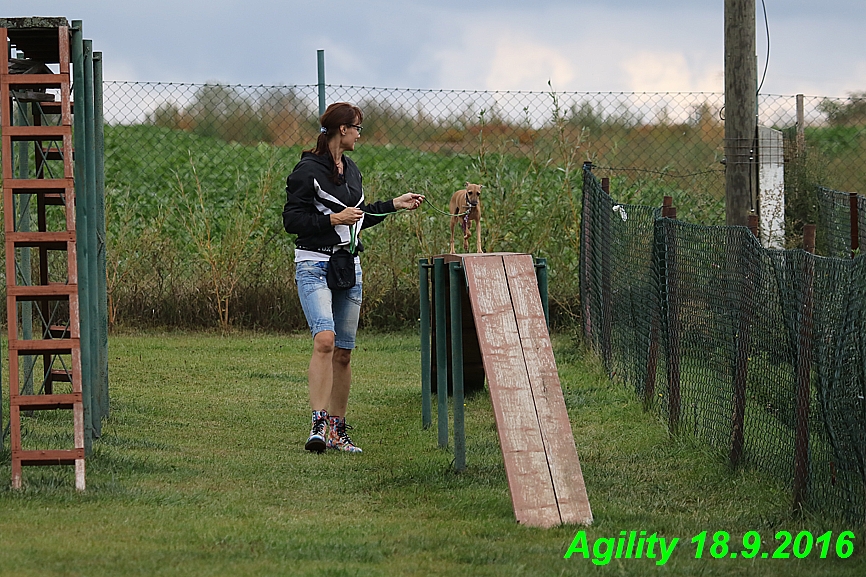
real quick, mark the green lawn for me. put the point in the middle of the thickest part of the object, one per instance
(201, 471)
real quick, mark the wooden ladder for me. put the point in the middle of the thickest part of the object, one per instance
(42, 296)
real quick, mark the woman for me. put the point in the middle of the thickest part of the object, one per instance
(325, 207)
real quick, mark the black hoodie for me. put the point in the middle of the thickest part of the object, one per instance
(311, 196)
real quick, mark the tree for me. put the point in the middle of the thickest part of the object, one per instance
(850, 113)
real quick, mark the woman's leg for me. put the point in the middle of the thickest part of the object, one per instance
(347, 310)
(347, 307)
(320, 379)
(342, 381)
(316, 301)
(321, 372)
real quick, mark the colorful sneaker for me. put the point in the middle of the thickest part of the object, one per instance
(338, 438)
(316, 442)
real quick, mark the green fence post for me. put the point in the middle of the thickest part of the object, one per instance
(606, 296)
(82, 217)
(439, 272)
(541, 277)
(673, 318)
(424, 294)
(649, 388)
(456, 276)
(90, 239)
(803, 396)
(320, 57)
(587, 243)
(99, 213)
(854, 217)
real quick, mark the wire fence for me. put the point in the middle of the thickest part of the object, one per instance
(180, 158)
(671, 135)
(758, 353)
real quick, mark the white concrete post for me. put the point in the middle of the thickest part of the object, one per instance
(771, 187)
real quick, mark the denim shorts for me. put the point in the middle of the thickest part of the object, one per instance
(328, 310)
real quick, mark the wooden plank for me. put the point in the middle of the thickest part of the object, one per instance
(532, 492)
(49, 240)
(36, 186)
(50, 457)
(18, 81)
(44, 346)
(46, 402)
(29, 133)
(37, 292)
(556, 433)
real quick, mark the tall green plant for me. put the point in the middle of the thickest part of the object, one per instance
(137, 255)
(803, 174)
(227, 239)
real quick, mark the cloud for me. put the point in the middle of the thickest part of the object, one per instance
(522, 62)
(669, 72)
(656, 72)
(501, 54)
(591, 45)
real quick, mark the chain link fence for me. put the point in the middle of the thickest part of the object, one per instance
(758, 353)
(183, 161)
(674, 135)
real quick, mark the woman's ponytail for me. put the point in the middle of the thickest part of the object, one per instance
(336, 115)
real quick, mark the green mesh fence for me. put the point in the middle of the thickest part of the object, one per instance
(836, 237)
(758, 353)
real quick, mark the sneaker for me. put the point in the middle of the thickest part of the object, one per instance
(338, 437)
(316, 442)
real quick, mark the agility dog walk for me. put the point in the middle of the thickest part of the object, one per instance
(541, 462)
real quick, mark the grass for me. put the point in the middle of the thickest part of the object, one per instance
(200, 471)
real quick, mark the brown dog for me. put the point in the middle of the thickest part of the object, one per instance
(466, 204)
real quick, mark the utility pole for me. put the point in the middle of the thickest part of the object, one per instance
(741, 76)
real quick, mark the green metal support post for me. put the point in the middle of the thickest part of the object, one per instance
(456, 277)
(82, 217)
(426, 373)
(90, 239)
(320, 57)
(101, 266)
(439, 272)
(541, 277)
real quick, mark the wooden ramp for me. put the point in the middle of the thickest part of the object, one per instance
(544, 475)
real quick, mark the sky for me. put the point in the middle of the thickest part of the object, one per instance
(816, 47)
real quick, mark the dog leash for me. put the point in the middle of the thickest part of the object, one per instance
(431, 206)
(353, 238)
(446, 213)
(352, 228)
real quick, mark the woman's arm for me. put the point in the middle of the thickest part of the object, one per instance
(408, 201)
(300, 215)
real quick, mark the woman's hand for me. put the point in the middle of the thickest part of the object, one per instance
(409, 201)
(349, 215)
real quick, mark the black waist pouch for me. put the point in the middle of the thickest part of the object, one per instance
(341, 270)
